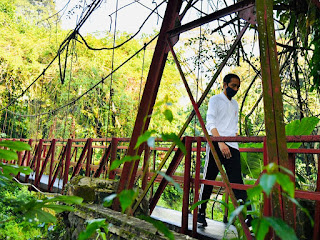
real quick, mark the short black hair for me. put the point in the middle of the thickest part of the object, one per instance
(227, 78)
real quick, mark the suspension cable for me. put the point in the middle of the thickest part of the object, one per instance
(90, 89)
(112, 66)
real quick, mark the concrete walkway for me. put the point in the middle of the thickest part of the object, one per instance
(214, 230)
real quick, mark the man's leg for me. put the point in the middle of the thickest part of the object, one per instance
(233, 169)
(210, 173)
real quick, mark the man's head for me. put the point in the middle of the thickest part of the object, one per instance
(231, 85)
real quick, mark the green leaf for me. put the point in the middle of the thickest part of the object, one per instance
(15, 145)
(235, 213)
(285, 182)
(8, 155)
(260, 228)
(251, 162)
(126, 198)
(254, 191)
(297, 128)
(107, 201)
(206, 200)
(41, 215)
(116, 163)
(65, 199)
(173, 137)
(168, 114)
(12, 170)
(59, 208)
(197, 204)
(271, 168)
(159, 225)
(92, 227)
(286, 170)
(283, 230)
(144, 137)
(170, 179)
(301, 178)
(267, 182)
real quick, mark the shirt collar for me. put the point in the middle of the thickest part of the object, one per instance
(225, 98)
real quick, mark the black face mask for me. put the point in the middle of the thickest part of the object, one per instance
(230, 92)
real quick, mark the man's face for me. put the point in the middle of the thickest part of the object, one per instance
(234, 84)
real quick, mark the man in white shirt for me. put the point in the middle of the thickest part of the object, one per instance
(222, 120)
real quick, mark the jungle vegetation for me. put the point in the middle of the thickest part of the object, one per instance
(73, 95)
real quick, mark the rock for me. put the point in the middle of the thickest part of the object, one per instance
(92, 190)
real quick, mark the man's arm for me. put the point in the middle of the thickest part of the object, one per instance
(225, 150)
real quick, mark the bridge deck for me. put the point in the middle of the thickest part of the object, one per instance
(57, 186)
(214, 230)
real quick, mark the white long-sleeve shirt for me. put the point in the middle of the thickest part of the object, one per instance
(223, 114)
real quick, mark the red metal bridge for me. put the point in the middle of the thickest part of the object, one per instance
(55, 161)
(61, 159)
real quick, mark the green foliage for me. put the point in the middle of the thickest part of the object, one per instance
(303, 127)
(95, 226)
(159, 225)
(19, 210)
(8, 170)
(252, 163)
(260, 223)
(116, 163)
(126, 198)
(170, 180)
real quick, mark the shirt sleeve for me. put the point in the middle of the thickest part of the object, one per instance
(237, 117)
(212, 114)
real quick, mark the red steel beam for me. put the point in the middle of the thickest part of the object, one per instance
(58, 167)
(316, 229)
(67, 163)
(89, 157)
(82, 155)
(239, 6)
(44, 164)
(103, 162)
(186, 187)
(114, 147)
(52, 160)
(151, 89)
(146, 160)
(196, 188)
(273, 106)
(170, 171)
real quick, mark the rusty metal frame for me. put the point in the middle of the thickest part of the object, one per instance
(239, 6)
(103, 161)
(273, 105)
(82, 156)
(192, 114)
(44, 164)
(149, 93)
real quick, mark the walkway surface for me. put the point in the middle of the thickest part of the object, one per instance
(214, 230)
(57, 186)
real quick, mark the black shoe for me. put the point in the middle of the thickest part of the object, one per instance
(202, 219)
(248, 220)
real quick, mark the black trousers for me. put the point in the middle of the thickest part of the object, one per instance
(233, 169)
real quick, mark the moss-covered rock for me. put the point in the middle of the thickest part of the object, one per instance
(92, 190)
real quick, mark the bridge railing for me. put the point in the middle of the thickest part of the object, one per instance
(196, 180)
(62, 159)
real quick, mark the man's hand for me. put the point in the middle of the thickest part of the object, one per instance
(225, 150)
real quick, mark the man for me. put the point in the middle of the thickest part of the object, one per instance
(222, 120)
